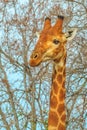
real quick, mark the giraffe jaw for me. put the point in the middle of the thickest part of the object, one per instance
(37, 62)
(34, 63)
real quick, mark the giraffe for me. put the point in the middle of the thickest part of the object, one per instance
(51, 45)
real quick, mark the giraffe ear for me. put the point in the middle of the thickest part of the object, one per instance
(71, 34)
(37, 34)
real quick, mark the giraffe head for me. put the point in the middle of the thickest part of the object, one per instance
(51, 42)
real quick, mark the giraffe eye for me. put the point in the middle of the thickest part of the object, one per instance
(55, 41)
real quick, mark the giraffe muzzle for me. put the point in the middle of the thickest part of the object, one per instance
(35, 59)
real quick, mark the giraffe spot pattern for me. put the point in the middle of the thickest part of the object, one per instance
(61, 94)
(61, 127)
(53, 101)
(53, 119)
(59, 78)
(55, 87)
(61, 109)
(63, 84)
(63, 118)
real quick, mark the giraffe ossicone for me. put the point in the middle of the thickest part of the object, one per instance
(51, 45)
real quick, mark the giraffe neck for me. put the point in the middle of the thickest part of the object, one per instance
(57, 113)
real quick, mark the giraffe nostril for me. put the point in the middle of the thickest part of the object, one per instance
(35, 56)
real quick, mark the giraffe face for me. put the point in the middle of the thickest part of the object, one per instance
(48, 47)
(51, 43)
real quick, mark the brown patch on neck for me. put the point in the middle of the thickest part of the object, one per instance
(55, 87)
(61, 109)
(53, 119)
(61, 95)
(61, 127)
(63, 118)
(53, 101)
(59, 79)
